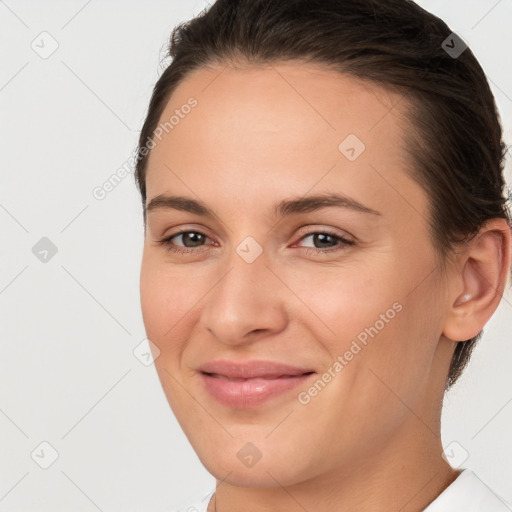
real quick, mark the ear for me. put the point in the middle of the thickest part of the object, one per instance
(481, 274)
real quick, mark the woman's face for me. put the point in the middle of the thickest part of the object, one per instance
(267, 275)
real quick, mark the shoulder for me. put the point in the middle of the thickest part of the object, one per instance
(468, 493)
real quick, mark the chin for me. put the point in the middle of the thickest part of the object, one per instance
(271, 470)
(250, 477)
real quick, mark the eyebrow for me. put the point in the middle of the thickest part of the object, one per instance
(284, 208)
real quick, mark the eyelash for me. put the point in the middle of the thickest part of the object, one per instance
(169, 246)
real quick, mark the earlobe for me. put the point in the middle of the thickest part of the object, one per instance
(483, 270)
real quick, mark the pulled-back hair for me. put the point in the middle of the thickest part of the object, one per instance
(455, 136)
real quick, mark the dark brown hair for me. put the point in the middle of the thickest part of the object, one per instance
(455, 139)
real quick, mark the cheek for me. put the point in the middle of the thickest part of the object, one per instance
(166, 305)
(166, 290)
(343, 302)
(166, 298)
(370, 318)
(152, 298)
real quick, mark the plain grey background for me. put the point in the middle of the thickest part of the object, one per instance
(75, 82)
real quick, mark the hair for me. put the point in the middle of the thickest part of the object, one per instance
(455, 135)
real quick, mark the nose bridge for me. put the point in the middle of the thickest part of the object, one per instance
(245, 285)
(244, 298)
(248, 272)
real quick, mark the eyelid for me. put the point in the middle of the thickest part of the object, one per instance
(187, 228)
(311, 229)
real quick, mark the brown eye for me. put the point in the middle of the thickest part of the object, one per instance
(190, 240)
(321, 238)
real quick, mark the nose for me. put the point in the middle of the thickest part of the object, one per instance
(247, 303)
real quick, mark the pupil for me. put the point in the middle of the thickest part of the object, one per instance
(191, 236)
(322, 237)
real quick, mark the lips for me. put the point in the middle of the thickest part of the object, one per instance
(249, 383)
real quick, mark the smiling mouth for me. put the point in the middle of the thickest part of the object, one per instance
(237, 392)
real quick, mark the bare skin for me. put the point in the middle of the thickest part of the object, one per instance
(370, 439)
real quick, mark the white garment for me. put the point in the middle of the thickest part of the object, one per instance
(467, 493)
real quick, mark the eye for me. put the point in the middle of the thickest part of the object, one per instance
(326, 237)
(194, 238)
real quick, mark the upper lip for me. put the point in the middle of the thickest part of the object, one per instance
(251, 369)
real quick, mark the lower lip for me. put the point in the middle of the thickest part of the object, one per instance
(247, 393)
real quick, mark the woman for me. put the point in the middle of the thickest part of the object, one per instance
(325, 238)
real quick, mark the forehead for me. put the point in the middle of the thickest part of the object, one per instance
(286, 124)
(289, 98)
